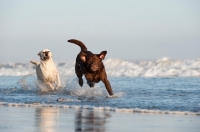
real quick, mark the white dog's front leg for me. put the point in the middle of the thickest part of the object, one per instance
(50, 85)
(58, 81)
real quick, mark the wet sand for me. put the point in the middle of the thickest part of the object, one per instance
(52, 119)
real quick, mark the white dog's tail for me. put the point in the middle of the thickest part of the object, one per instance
(34, 62)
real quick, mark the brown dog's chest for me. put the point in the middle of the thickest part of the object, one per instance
(93, 77)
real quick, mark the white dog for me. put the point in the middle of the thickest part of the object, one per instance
(46, 71)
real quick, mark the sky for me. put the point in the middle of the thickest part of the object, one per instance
(127, 29)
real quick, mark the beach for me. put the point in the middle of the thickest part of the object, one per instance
(53, 119)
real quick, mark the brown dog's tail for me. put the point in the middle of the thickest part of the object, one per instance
(79, 43)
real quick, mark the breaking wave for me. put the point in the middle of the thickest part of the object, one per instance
(164, 67)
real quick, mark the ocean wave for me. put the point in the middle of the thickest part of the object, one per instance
(164, 67)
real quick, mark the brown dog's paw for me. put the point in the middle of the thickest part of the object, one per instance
(112, 96)
(80, 81)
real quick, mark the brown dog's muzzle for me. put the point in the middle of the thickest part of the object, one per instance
(94, 67)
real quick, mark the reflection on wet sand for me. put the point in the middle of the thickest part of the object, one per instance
(46, 119)
(88, 120)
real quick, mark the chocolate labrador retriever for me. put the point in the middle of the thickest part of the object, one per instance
(91, 66)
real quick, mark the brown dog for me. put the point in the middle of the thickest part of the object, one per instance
(91, 66)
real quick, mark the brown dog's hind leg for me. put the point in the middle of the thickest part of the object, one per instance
(79, 74)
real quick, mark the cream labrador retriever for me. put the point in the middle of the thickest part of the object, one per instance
(47, 74)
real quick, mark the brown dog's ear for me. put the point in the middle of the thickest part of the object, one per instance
(102, 55)
(83, 56)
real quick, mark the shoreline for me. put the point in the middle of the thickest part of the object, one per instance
(54, 119)
(105, 108)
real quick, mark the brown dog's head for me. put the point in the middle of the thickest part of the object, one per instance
(93, 62)
(45, 55)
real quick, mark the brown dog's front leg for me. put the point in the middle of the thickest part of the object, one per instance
(108, 87)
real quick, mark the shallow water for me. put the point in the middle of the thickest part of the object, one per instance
(139, 94)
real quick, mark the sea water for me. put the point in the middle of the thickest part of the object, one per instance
(161, 86)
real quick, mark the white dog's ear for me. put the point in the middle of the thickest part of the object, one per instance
(50, 54)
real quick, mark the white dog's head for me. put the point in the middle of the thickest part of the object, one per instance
(45, 55)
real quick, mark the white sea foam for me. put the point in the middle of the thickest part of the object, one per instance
(164, 67)
(119, 110)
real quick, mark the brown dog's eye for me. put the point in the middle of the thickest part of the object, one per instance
(90, 61)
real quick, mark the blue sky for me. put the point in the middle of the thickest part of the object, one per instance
(129, 30)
